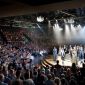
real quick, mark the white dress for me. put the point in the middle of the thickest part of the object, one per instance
(74, 56)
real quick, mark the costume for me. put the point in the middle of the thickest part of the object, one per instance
(62, 53)
(81, 53)
(55, 53)
(74, 55)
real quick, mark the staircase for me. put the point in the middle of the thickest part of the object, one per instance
(48, 62)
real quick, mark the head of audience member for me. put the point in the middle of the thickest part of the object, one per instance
(72, 82)
(57, 81)
(64, 81)
(49, 76)
(18, 74)
(53, 75)
(1, 77)
(57, 62)
(83, 65)
(27, 75)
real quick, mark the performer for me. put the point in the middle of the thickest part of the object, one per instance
(62, 54)
(70, 51)
(81, 53)
(74, 55)
(55, 53)
(84, 54)
(65, 49)
(78, 52)
(59, 53)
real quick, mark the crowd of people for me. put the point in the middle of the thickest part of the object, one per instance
(38, 75)
(20, 65)
(76, 52)
(21, 54)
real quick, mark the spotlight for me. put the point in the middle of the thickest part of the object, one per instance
(65, 21)
(79, 27)
(57, 27)
(57, 32)
(71, 20)
(56, 21)
(49, 24)
(40, 19)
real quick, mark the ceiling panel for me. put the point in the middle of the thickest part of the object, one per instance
(41, 2)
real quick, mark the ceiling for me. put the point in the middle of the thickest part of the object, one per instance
(19, 17)
(30, 20)
(41, 2)
(30, 2)
(21, 7)
(28, 10)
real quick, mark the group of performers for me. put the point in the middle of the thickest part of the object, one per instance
(76, 52)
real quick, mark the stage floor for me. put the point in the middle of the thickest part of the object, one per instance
(66, 62)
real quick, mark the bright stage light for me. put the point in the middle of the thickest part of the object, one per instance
(49, 23)
(65, 21)
(67, 33)
(81, 34)
(73, 31)
(40, 19)
(71, 20)
(79, 27)
(57, 27)
(57, 33)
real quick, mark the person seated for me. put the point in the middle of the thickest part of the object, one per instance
(1, 80)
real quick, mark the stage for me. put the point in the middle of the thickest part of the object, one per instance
(66, 62)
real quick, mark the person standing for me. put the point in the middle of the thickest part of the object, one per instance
(78, 52)
(70, 51)
(55, 53)
(84, 54)
(1, 80)
(74, 55)
(62, 53)
(81, 55)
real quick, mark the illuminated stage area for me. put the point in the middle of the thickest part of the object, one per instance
(66, 62)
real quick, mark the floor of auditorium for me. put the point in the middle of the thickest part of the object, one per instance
(66, 62)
